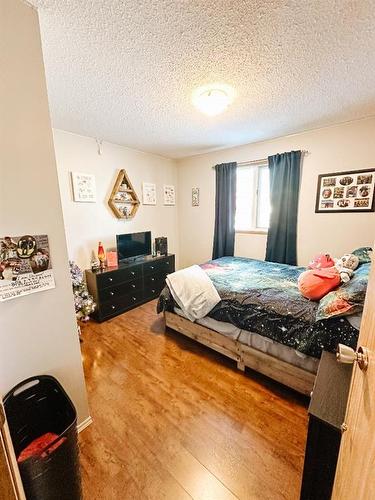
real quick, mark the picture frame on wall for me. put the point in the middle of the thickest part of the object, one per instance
(349, 191)
(148, 193)
(195, 196)
(84, 187)
(169, 195)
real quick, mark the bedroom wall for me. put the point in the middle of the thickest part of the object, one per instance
(87, 223)
(343, 147)
(38, 332)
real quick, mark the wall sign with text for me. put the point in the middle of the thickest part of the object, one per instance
(25, 266)
(84, 188)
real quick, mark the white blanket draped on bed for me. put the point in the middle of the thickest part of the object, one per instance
(193, 291)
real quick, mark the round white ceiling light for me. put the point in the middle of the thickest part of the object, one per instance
(213, 99)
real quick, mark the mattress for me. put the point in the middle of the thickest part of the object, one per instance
(263, 297)
(256, 341)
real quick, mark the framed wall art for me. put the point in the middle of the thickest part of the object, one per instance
(169, 195)
(84, 189)
(148, 193)
(351, 191)
(195, 197)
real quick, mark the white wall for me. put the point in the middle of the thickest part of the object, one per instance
(348, 146)
(87, 223)
(38, 332)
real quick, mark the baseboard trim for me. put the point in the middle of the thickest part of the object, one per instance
(88, 421)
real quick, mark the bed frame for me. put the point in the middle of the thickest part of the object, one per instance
(285, 373)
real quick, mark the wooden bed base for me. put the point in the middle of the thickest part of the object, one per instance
(285, 373)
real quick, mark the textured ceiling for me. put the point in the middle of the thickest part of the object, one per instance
(124, 70)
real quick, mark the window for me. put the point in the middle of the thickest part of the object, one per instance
(252, 198)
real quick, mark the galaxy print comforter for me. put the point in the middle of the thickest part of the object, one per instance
(263, 297)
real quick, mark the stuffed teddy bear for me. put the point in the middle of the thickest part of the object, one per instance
(315, 283)
(346, 266)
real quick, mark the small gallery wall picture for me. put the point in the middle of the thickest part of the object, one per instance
(84, 188)
(148, 193)
(351, 191)
(195, 197)
(169, 195)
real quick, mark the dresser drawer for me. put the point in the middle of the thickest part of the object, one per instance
(167, 265)
(152, 279)
(117, 305)
(153, 291)
(113, 292)
(159, 266)
(119, 276)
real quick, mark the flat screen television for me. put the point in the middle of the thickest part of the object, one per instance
(132, 245)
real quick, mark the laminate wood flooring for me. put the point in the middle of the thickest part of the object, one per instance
(174, 420)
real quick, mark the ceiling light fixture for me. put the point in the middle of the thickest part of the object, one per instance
(213, 99)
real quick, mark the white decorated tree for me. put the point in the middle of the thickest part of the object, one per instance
(83, 301)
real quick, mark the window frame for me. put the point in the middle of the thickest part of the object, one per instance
(253, 227)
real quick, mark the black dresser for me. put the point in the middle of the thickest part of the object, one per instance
(118, 289)
(326, 416)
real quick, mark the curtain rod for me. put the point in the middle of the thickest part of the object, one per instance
(260, 161)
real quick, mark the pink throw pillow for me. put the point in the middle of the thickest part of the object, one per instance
(316, 283)
(321, 261)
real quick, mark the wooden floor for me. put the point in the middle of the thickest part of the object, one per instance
(175, 420)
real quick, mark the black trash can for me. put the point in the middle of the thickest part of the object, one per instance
(37, 406)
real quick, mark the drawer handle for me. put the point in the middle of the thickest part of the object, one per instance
(113, 307)
(133, 285)
(167, 262)
(112, 293)
(110, 279)
(152, 279)
(134, 298)
(151, 267)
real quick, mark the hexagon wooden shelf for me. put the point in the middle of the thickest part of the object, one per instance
(123, 201)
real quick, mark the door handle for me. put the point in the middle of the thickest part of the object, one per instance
(347, 355)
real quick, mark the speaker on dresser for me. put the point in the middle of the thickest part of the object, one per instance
(161, 245)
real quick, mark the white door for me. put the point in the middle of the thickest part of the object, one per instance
(355, 473)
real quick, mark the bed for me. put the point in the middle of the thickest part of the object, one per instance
(263, 322)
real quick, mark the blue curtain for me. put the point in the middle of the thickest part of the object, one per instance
(225, 210)
(284, 192)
